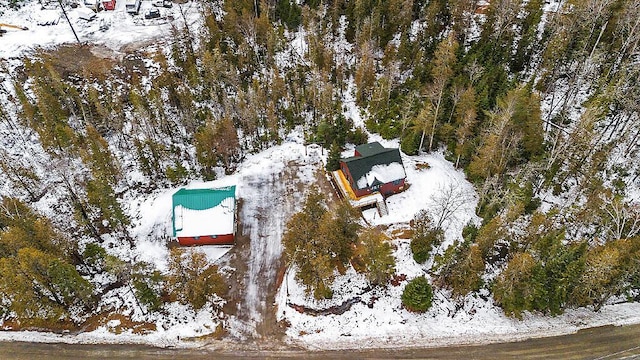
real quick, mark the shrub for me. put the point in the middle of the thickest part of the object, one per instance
(421, 246)
(148, 284)
(417, 295)
(192, 280)
(424, 237)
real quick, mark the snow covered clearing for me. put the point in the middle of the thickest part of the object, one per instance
(47, 27)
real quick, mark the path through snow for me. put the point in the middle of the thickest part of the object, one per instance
(271, 192)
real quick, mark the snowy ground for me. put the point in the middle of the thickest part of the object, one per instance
(115, 29)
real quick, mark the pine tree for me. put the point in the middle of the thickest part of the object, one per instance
(376, 254)
(443, 63)
(333, 159)
(21, 175)
(519, 286)
(461, 269)
(309, 249)
(424, 237)
(42, 287)
(217, 144)
(417, 295)
(192, 280)
(605, 275)
(465, 119)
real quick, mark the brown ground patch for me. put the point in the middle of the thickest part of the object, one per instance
(402, 233)
(323, 181)
(82, 60)
(121, 324)
(236, 258)
(55, 326)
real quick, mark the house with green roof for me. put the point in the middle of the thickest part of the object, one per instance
(374, 168)
(204, 216)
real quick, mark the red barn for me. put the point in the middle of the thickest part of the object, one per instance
(374, 168)
(204, 216)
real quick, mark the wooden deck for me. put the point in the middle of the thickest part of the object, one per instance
(345, 190)
(343, 185)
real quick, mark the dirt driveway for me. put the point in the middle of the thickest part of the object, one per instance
(257, 257)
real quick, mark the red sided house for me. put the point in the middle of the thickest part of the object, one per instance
(204, 216)
(374, 168)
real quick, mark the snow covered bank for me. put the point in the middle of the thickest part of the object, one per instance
(378, 328)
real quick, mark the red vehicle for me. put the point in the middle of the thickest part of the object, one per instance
(109, 4)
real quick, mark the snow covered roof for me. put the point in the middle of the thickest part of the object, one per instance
(376, 164)
(381, 174)
(202, 212)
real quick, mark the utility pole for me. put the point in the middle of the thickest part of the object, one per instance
(69, 21)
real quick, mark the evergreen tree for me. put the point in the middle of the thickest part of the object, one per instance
(417, 295)
(40, 287)
(191, 280)
(307, 248)
(333, 159)
(217, 144)
(424, 237)
(519, 287)
(460, 269)
(376, 254)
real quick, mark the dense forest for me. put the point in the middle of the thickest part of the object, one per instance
(537, 102)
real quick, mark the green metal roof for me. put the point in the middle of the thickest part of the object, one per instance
(200, 199)
(370, 149)
(361, 165)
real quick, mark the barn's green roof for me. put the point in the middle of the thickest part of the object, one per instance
(200, 199)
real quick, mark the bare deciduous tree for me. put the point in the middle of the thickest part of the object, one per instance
(623, 219)
(447, 202)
